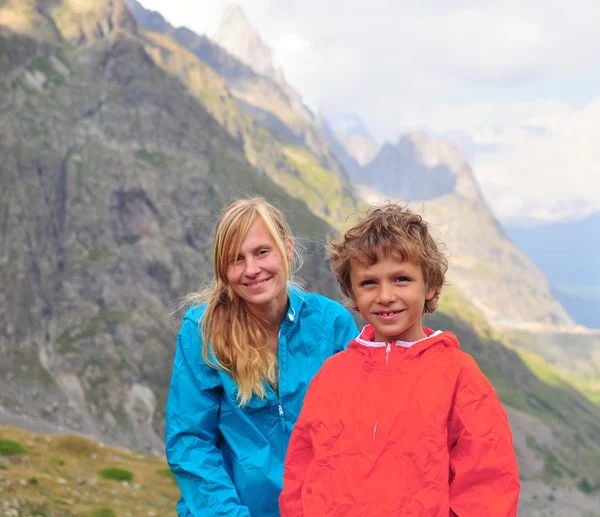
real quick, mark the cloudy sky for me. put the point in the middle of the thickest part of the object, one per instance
(517, 83)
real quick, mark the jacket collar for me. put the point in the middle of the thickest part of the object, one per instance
(377, 352)
(296, 301)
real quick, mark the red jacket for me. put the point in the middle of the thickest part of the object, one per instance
(387, 430)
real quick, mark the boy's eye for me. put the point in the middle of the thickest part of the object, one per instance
(403, 279)
(367, 282)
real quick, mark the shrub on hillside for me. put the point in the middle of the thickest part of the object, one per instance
(116, 474)
(103, 512)
(8, 448)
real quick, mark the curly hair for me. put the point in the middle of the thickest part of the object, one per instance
(389, 229)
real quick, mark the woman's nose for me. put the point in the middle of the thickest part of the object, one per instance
(252, 267)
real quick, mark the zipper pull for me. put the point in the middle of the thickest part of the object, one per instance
(280, 410)
(387, 352)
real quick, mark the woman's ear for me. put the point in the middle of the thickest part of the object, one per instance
(289, 249)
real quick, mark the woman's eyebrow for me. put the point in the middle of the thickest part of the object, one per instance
(254, 249)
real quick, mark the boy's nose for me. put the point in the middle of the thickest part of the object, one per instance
(386, 294)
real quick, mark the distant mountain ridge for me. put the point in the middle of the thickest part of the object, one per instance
(289, 152)
(434, 178)
(420, 168)
(240, 39)
(205, 49)
(269, 102)
(350, 131)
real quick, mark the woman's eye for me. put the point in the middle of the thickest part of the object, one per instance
(263, 252)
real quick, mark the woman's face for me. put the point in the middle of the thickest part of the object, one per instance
(257, 273)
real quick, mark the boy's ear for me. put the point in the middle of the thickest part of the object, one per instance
(430, 293)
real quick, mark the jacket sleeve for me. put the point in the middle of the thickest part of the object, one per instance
(191, 434)
(484, 477)
(344, 329)
(299, 454)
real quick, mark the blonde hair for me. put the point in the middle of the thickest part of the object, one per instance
(235, 339)
(389, 229)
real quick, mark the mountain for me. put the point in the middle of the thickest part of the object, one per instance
(205, 49)
(267, 97)
(241, 40)
(112, 177)
(567, 251)
(350, 131)
(434, 179)
(420, 168)
(276, 139)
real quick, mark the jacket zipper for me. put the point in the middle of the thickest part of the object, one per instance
(277, 395)
(388, 349)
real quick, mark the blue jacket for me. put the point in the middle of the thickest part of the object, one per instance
(228, 461)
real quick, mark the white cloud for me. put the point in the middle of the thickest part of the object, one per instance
(549, 174)
(291, 44)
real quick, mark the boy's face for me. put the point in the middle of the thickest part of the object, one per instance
(390, 295)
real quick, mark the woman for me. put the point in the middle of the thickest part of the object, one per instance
(246, 352)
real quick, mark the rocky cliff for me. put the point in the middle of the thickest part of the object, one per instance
(277, 139)
(112, 177)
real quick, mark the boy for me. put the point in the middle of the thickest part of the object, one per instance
(402, 423)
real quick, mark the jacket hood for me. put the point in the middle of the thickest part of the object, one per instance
(377, 353)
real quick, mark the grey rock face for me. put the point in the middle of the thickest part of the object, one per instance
(111, 180)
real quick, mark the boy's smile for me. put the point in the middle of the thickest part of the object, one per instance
(391, 295)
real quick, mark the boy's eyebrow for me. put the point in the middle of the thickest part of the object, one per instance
(396, 271)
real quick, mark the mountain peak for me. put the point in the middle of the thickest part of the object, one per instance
(234, 14)
(349, 124)
(420, 167)
(236, 35)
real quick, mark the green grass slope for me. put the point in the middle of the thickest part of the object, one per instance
(70, 475)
